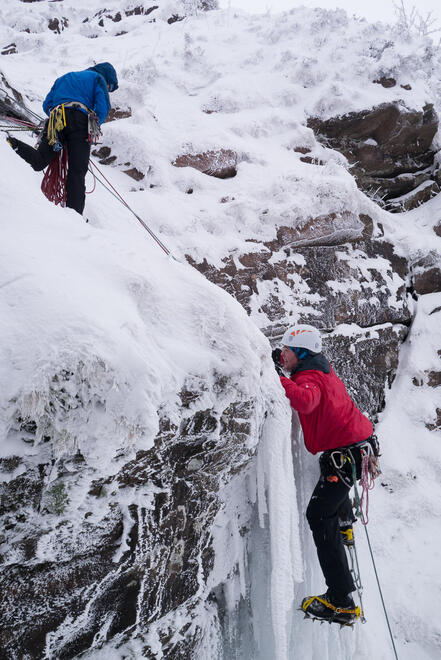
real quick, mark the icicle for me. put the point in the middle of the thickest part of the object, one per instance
(283, 522)
(260, 479)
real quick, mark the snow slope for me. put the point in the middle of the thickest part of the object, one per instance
(105, 296)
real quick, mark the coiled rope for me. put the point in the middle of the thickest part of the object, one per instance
(53, 185)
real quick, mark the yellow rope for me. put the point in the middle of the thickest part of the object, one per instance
(56, 123)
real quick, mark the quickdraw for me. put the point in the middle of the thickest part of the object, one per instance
(344, 463)
(94, 130)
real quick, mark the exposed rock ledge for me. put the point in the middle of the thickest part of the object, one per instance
(389, 150)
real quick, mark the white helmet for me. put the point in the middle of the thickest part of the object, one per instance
(303, 336)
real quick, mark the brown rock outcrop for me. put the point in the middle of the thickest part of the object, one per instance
(388, 147)
(436, 424)
(330, 229)
(426, 274)
(103, 154)
(134, 173)
(371, 352)
(221, 164)
(57, 25)
(118, 113)
(386, 82)
(328, 285)
(10, 49)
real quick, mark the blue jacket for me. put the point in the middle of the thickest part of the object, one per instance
(89, 87)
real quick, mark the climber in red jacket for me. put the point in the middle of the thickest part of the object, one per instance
(331, 424)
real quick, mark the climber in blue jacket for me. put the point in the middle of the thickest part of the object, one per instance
(76, 96)
(89, 87)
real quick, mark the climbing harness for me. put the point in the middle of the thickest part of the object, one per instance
(57, 122)
(340, 459)
(93, 123)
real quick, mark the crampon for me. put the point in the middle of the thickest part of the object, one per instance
(319, 608)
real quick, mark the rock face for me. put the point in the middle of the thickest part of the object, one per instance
(221, 164)
(329, 278)
(389, 150)
(367, 362)
(7, 105)
(139, 546)
(426, 273)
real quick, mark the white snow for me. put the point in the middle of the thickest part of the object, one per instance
(102, 300)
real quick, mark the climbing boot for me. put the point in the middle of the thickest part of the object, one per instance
(12, 142)
(333, 610)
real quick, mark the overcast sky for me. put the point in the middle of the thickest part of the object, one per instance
(374, 10)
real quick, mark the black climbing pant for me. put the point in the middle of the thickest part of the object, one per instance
(328, 505)
(74, 136)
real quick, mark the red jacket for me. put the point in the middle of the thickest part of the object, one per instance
(329, 417)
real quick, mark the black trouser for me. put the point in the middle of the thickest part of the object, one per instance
(75, 137)
(330, 503)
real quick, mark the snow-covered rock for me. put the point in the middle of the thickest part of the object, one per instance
(150, 476)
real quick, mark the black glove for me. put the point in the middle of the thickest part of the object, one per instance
(276, 359)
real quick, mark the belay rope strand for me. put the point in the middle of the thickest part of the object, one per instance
(36, 117)
(368, 485)
(116, 194)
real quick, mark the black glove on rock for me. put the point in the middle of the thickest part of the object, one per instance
(276, 359)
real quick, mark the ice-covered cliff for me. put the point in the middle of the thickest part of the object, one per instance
(152, 485)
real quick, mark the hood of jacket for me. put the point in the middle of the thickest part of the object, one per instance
(316, 362)
(106, 70)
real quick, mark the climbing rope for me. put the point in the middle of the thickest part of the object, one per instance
(116, 194)
(359, 512)
(27, 125)
(53, 185)
(369, 472)
(37, 118)
(14, 129)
